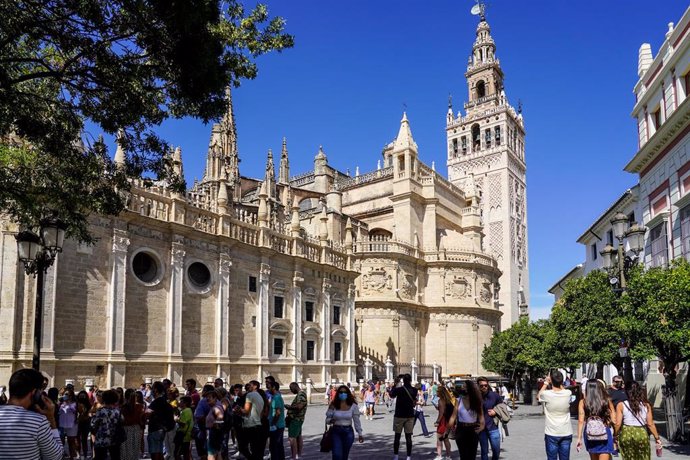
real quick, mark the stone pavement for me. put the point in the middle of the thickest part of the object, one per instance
(526, 440)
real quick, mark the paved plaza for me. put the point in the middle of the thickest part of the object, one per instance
(526, 440)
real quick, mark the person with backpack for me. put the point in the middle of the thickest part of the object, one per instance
(596, 417)
(634, 424)
(161, 420)
(558, 431)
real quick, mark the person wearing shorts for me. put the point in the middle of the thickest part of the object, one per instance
(405, 400)
(296, 413)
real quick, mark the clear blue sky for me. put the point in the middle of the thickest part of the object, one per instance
(355, 63)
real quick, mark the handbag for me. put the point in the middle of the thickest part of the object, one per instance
(326, 440)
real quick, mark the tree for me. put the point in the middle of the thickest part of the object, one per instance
(657, 303)
(588, 323)
(520, 349)
(122, 65)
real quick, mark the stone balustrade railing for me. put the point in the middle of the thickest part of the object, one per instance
(240, 224)
(366, 178)
(302, 179)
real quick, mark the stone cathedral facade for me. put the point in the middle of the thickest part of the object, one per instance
(486, 151)
(302, 277)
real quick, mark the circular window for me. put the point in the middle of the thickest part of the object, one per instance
(145, 267)
(199, 275)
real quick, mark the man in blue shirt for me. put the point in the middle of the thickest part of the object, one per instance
(200, 413)
(490, 434)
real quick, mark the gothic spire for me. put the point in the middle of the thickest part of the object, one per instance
(284, 170)
(120, 157)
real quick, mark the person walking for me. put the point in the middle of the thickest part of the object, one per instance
(106, 427)
(296, 413)
(558, 431)
(419, 413)
(634, 424)
(445, 406)
(276, 420)
(490, 434)
(342, 414)
(28, 427)
(468, 419)
(405, 400)
(617, 391)
(596, 417)
(134, 416)
(369, 401)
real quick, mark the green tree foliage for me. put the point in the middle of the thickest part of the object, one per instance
(522, 348)
(657, 305)
(587, 322)
(120, 64)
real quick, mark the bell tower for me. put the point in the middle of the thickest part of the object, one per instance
(486, 151)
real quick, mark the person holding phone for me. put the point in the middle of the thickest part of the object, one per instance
(28, 428)
(468, 420)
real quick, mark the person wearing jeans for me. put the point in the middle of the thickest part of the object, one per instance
(342, 415)
(558, 430)
(491, 434)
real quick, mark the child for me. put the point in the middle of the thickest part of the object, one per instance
(183, 436)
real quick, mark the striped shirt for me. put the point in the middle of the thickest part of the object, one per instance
(26, 435)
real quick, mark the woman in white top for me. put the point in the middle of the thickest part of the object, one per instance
(67, 421)
(634, 424)
(342, 413)
(468, 419)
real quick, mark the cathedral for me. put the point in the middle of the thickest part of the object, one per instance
(320, 276)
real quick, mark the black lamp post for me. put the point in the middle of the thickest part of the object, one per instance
(617, 263)
(37, 253)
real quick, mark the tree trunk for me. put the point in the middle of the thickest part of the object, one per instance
(600, 371)
(672, 407)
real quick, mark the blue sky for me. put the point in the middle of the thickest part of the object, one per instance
(356, 63)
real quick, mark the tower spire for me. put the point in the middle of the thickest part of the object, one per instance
(284, 170)
(270, 175)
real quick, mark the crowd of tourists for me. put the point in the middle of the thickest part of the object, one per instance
(611, 421)
(158, 418)
(168, 422)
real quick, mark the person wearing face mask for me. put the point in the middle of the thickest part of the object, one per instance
(342, 414)
(617, 391)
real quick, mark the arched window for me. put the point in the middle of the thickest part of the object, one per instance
(476, 137)
(481, 89)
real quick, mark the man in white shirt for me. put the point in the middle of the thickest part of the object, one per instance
(558, 432)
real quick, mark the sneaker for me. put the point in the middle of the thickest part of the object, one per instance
(236, 455)
(438, 457)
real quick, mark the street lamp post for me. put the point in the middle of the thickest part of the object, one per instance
(37, 252)
(617, 263)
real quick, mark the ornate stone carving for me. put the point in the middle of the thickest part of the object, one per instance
(264, 272)
(485, 291)
(120, 241)
(145, 232)
(224, 263)
(408, 289)
(177, 254)
(327, 285)
(377, 279)
(297, 278)
(458, 287)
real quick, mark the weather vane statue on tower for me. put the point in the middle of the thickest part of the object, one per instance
(479, 9)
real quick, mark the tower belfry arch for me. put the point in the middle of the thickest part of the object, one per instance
(486, 149)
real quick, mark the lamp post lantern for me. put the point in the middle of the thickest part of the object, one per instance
(617, 263)
(37, 253)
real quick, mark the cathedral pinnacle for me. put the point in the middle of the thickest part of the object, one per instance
(284, 169)
(404, 139)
